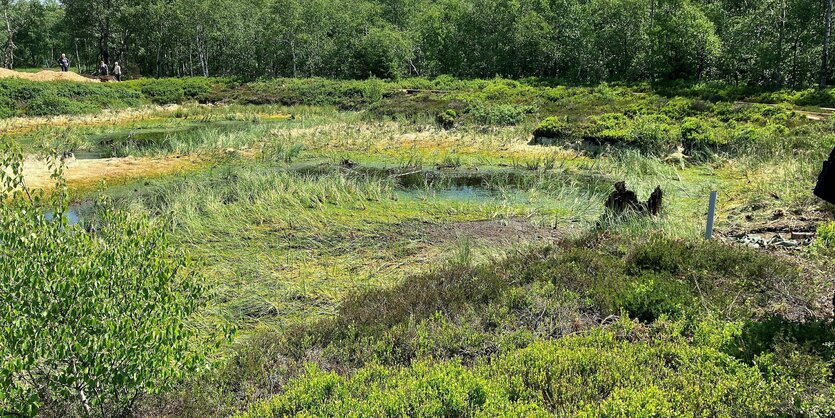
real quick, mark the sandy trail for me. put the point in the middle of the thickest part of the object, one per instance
(88, 173)
(47, 75)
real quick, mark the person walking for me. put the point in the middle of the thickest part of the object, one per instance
(64, 63)
(103, 70)
(117, 71)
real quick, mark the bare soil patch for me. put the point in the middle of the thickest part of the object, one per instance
(494, 231)
(81, 173)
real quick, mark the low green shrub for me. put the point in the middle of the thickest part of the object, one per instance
(653, 134)
(678, 108)
(498, 114)
(650, 296)
(49, 105)
(608, 127)
(603, 374)
(823, 98)
(553, 128)
(447, 118)
(37, 98)
(825, 237)
(344, 94)
(164, 92)
(8, 107)
(699, 134)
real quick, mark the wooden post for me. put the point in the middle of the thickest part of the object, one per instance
(711, 214)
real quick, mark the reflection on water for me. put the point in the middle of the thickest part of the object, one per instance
(75, 213)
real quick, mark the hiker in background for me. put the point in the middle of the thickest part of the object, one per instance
(117, 71)
(64, 63)
(103, 71)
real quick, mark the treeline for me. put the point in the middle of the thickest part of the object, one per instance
(773, 43)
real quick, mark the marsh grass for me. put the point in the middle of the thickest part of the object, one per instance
(292, 239)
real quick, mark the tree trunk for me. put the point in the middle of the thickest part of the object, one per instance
(780, 40)
(8, 52)
(293, 51)
(827, 34)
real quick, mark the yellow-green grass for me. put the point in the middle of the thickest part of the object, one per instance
(284, 246)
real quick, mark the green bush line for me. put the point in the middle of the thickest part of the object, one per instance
(33, 98)
(603, 374)
(493, 102)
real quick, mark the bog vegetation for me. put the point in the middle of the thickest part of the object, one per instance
(419, 246)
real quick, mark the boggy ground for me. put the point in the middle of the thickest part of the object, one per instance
(342, 246)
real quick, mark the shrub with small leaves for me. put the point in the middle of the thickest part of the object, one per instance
(825, 237)
(447, 118)
(553, 128)
(91, 319)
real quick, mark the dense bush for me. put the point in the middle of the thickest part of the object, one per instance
(91, 321)
(553, 128)
(447, 118)
(316, 91)
(48, 105)
(498, 114)
(604, 374)
(653, 134)
(164, 92)
(825, 237)
(190, 87)
(608, 128)
(8, 107)
(37, 98)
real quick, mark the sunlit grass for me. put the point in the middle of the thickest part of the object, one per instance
(284, 243)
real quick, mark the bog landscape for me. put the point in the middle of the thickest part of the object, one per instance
(427, 208)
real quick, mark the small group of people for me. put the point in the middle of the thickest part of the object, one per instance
(102, 70)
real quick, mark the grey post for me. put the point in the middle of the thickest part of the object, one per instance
(711, 214)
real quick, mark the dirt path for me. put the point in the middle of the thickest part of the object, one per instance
(88, 173)
(823, 114)
(494, 231)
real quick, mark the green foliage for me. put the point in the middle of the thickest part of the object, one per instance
(602, 374)
(8, 107)
(554, 128)
(699, 134)
(609, 127)
(37, 98)
(56, 105)
(653, 134)
(314, 91)
(825, 237)
(92, 320)
(678, 108)
(164, 92)
(650, 296)
(447, 118)
(474, 315)
(498, 114)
